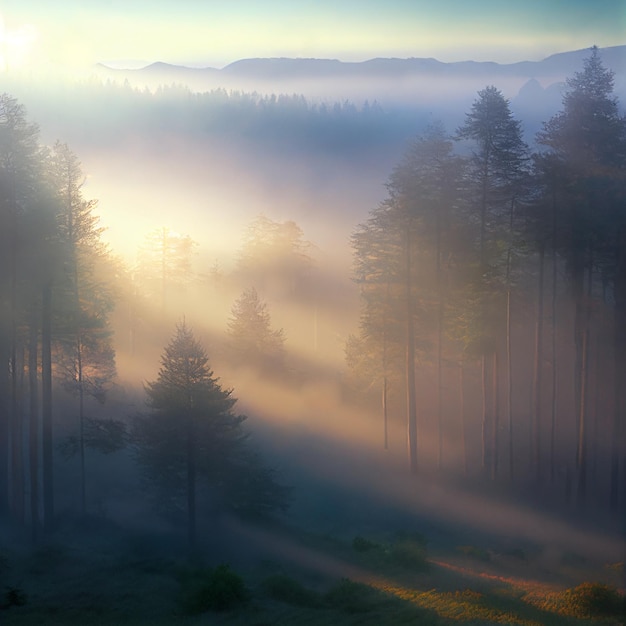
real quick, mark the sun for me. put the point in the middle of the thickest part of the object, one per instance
(16, 46)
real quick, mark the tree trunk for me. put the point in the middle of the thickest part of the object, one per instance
(496, 418)
(411, 407)
(33, 426)
(463, 414)
(385, 380)
(46, 413)
(17, 435)
(509, 357)
(483, 372)
(4, 427)
(384, 407)
(440, 313)
(553, 326)
(509, 384)
(619, 357)
(191, 485)
(537, 373)
(81, 426)
(581, 456)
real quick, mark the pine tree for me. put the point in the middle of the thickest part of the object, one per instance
(275, 257)
(494, 178)
(164, 265)
(250, 336)
(26, 230)
(191, 444)
(398, 251)
(586, 145)
(85, 359)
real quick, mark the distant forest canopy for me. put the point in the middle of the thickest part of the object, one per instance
(111, 106)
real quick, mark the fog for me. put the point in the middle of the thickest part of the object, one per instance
(251, 220)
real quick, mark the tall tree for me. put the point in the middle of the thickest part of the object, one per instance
(85, 360)
(587, 146)
(24, 231)
(275, 257)
(164, 264)
(398, 251)
(251, 339)
(192, 444)
(495, 173)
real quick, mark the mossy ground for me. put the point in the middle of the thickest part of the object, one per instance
(316, 579)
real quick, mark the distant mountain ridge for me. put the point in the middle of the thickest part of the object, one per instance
(285, 67)
(424, 81)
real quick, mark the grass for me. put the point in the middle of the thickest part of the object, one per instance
(290, 591)
(390, 582)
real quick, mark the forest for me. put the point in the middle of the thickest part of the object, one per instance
(378, 440)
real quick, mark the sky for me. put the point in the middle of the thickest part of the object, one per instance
(75, 33)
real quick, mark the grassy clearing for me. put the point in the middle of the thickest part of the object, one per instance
(365, 581)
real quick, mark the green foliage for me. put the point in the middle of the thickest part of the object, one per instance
(14, 596)
(250, 336)
(102, 435)
(105, 435)
(361, 544)
(409, 550)
(164, 265)
(288, 590)
(409, 553)
(275, 257)
(587, 600)
(474, 552)
(219, 589)
(192, 426)
(352, 597)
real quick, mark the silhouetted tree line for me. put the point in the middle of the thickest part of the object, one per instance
(493, 288)
(54, 306)
(109, 112)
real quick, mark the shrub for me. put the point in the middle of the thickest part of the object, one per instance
(217, 590)
(409, 550)
(592, 600)
(350, 596)
(13, 597)
(360, 544)
(285, 589)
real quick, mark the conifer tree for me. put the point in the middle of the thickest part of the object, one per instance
(494, 179)
(191, 444)
(586, 144)
(250, 336)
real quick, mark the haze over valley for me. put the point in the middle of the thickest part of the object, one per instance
(317, 332)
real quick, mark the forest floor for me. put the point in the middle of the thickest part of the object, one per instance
(279, 574)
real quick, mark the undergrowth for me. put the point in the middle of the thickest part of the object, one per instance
(218, 589)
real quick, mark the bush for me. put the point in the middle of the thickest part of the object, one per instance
(409, 553)
(217, 590)
(285, 589)
(360, 544)
(13, 597)
(592, 600)
(350, 596)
